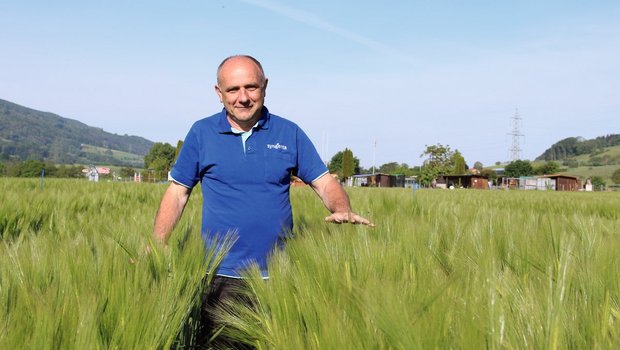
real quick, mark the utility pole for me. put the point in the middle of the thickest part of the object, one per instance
(374, 156)
(515, 149)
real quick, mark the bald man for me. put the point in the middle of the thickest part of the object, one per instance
(244, 157)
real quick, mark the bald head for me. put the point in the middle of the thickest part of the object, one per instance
(241, 87)
(236, 59)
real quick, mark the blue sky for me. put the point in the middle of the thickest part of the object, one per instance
(404, 73)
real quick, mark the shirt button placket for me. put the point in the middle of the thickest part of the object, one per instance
(251, 147)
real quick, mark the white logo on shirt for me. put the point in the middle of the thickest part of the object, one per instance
(277, 146)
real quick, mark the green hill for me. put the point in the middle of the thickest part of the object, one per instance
(30, 134)
(577, 146)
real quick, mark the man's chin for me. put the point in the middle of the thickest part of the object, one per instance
(243, 119)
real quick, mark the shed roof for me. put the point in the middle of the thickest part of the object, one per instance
(554, 176)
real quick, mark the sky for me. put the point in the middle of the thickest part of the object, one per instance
(382, 78)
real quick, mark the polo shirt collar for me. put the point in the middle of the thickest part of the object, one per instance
(224, 125)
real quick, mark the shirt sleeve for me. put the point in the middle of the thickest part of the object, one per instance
(309, 164)
(186, 169)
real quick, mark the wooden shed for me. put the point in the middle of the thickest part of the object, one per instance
(564, 182)
(467, 181)
(378, 180)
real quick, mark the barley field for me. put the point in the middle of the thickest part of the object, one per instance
(442, 269)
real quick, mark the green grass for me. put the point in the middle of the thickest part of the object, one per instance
(445, 269)
(125, 157)
(604, 171)
(74, 272)
(442, 269)
(611, 152)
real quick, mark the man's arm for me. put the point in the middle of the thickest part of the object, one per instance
(170, 211)
(336, 201)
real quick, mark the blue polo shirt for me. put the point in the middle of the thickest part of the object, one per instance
(246, 191)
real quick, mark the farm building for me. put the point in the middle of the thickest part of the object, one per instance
(465, 181)
(536, 183)
(554, 182)
(411, 181)
(564, 182)
(378, 180)
(509, 182)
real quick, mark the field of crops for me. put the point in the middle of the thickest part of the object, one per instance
(442, 269)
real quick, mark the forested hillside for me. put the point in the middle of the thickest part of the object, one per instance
(576, 146)
(30, 134)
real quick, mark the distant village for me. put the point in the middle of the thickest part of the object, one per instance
(473, 180)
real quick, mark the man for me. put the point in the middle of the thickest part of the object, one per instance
(243, 157)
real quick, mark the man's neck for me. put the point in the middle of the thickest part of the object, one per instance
(242, 125)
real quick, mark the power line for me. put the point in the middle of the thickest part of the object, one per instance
(515, 149)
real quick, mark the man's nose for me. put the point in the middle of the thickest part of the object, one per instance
(243, 96)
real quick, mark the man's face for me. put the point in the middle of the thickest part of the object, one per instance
(241, 88)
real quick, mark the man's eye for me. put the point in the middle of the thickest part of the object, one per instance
(252, 88)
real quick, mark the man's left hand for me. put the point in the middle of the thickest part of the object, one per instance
(350, 217)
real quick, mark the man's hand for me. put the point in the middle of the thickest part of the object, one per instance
(350, 217)
(336, 201)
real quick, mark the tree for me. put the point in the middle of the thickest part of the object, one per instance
(489, 173)
(478, 166)
(127, 172)
(404, 169)
(460, 167)
(571, 163)
(598, 183)
(32, 168)
(389, 168)
(160, 157)
(549, 167)
(178, 149)
(335, 164)
(519, 168)
(13, 168)
(439, 160)
(347, 164)
(615, 177)
(70, 171)
(438, 156)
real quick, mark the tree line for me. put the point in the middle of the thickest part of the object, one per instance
(438, 160)
(34, 168)
(575, 146)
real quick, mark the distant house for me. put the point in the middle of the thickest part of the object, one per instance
(564, 182)
(536, 183)
(92, 173)
(555, 182)
(509, 182)
(465, 181)
(411, 181)
(378, 180)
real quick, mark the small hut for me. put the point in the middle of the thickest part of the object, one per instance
(466, 181)
(564, 182)
(378, 180)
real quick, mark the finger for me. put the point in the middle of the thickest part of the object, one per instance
(361, 220)
(333, 219)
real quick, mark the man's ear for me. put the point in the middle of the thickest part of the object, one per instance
(219, 93)
(265, 87)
